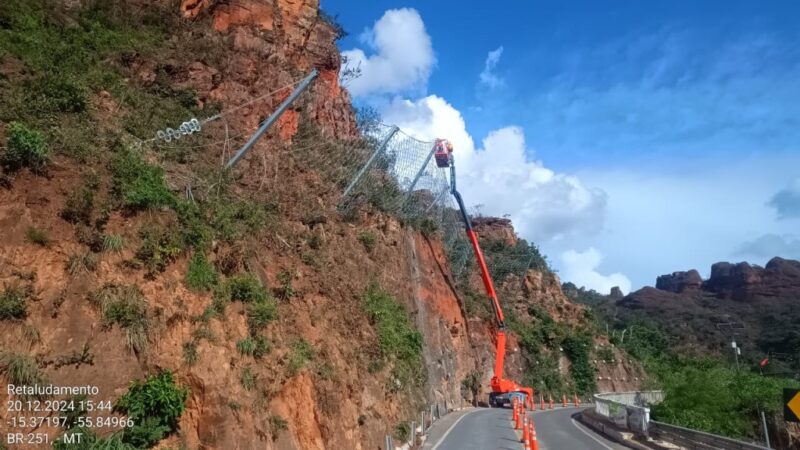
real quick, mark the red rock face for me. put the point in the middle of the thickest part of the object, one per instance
(495, 228)
(275, 42)
(680, 281)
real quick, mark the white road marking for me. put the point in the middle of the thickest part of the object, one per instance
(444, 436)
(589, 434)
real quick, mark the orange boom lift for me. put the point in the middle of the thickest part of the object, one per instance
(503, 390)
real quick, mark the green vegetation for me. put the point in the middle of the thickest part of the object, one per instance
(276, 425)
(248, 378)
(260, 314)
(398, 341)
(137, 185)
(113, 243)
(159, 246)
(221, 217)
(470, 385)
(577, 346)
(703, 393)
(402, 431)
(515, 259)
(38, 236)
(605, 354)
(204, 333)
(13, 304)
(201, 275)
(257, 346)
(246, 288)
(70, 54)
(286, 291)
(540, 341)
(26, 147)
(155, 405)
(368, 239)
(125, 306)
(300, 354)
(190, 355)
(427, 226)
(80, 202)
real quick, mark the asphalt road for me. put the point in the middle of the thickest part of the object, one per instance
(491, 429)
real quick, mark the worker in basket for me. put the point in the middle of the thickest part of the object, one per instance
(442, 151)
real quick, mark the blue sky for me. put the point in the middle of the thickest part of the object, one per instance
(665, 135)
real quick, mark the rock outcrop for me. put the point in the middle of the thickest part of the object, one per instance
(680, 281)
(740, 281)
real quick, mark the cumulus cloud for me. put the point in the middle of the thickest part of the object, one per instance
(488, 76)
(500, 175)
(401, 59)
(581, 269)
(787, 201)
(771, 245)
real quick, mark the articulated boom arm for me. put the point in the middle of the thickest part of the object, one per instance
(499, 384)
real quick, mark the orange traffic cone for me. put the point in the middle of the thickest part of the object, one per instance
(551, 402)
(514, 411)
(534, 442)
(541, 397)
(575, 399)
(564, 400)
(517, 421)
(578, 399)
(525, 430)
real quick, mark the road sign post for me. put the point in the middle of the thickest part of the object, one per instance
(791, 405)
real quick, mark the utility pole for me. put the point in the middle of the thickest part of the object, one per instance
(736, 352)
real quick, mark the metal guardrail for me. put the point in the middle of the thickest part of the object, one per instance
(697, 440)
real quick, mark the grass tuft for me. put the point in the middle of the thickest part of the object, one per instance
(13, 304)
(201, 275)
(248, 378)
(125, 306)
(113, 243)
(300, 354)
(82, 263)
(368, 239)
(38, 236)
(21, 370)
(256, 346)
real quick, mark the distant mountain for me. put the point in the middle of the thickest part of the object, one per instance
(758, 307)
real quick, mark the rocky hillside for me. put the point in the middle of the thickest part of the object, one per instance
(756, 306)
(244, 302)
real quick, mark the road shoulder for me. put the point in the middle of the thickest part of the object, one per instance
(437, 433)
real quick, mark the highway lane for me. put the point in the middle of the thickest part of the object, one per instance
(557, 430)
(476, 429)
(491, 429)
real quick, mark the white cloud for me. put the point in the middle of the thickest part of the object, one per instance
(581, 269)
(402, 56)
(488, 77)
(543, 204)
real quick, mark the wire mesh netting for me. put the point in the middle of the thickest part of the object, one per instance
(400, 177)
